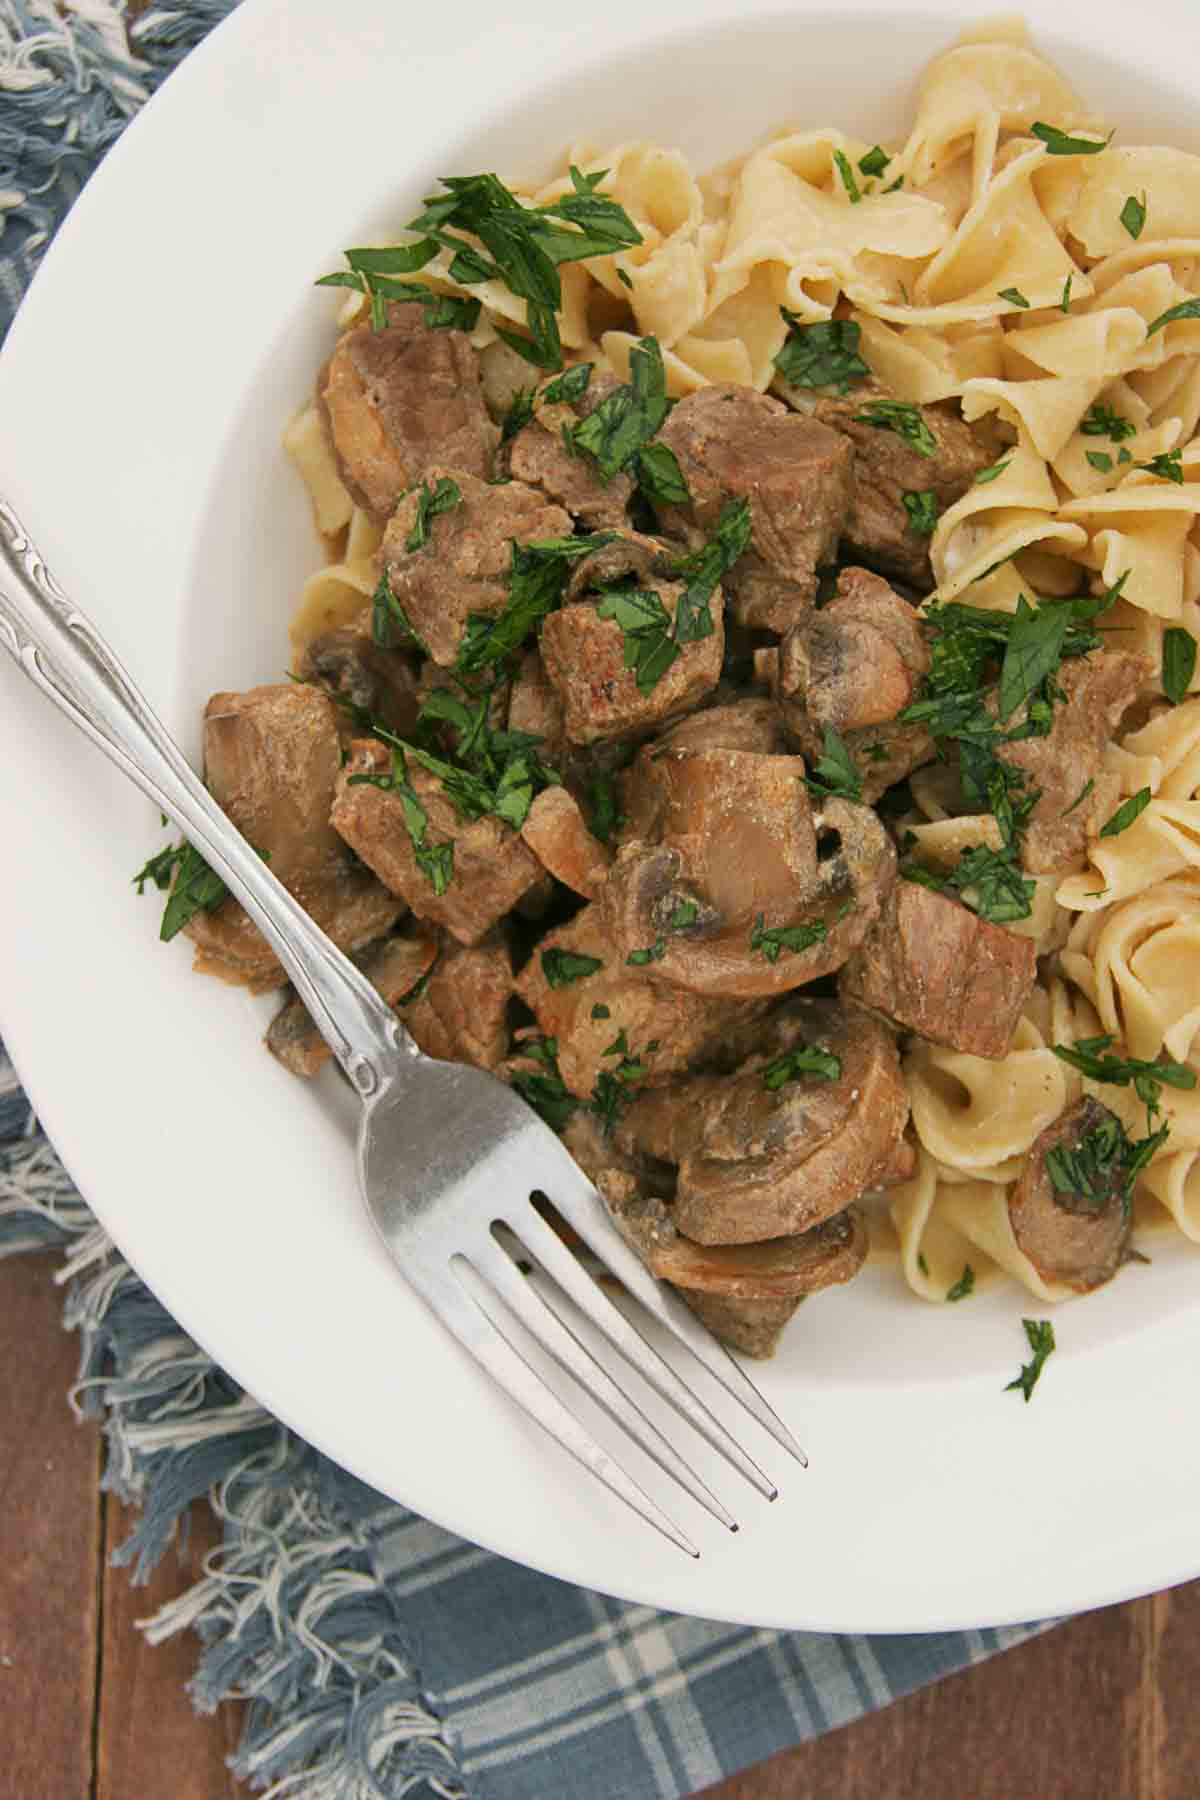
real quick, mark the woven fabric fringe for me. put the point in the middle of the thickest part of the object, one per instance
(290, 1612)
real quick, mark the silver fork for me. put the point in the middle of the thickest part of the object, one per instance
(446, 1153)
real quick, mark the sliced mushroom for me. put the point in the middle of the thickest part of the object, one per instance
(354, 670)
(733, 886)
(782, 1269)
(272, 757)
(556, 833)
(762, 1161)
(1078, 1239)
(936, 968)
(394, 967)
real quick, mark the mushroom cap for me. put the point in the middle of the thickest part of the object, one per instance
(1076, 1239)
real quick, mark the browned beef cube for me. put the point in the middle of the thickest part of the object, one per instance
(491, 868)
(539, 456)
(587, 658)
(934, 967)
(1098, 689)
(272, 757)
(461, 570)
(851, 668)
(887, 466)
(394, 967)
(587, 1014)
(557, 834)
(734, 443)
(397, 400)
(459, 1015)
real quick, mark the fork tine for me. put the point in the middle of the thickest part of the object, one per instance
(584, 1209)
(546, 1323)
(480, 1329)
(544, 1243)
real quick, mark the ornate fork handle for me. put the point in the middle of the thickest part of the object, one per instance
(63, 654)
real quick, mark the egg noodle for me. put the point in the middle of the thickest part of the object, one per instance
(1020, 277)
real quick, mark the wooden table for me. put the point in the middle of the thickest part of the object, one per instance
(1101, 1709)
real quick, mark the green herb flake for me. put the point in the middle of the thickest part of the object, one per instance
(660, 477)
(792, 940)
(875, 162)
(1033, 651)
(1168, 466)
(993, 473)
(563, 967)
(1126, 813)
(1065, 302)
(1187, 309)
(391, 627)
(704, 569)
(637, 959)
(835, 773)
(1101, 421)
(650, 646)
(600, 1011)
(537, 576)
(906, 420)
(685, 914)
(1133, 215)
(1178, 662)
(430, 503)
(922, 510)
(963, 1286)
(193, 886)
(1100, 459)
(824, 355)
(1079, 799)
(921, 1263)
(1060, 143)
(570, 386)
(518, 415)
(806, 1061)
(630, 416)
(1014, 296)
(851, 186)
(1092, 1058)
(602, 809)
(1040, 1335)
(547, 1093)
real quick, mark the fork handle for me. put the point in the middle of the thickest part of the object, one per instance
(64, 655)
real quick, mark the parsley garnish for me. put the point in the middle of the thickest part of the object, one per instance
(518, 415)
(600, 1011)
(921, 1263)
(874, 162)
(1187, 309)
(1104, 1162)
(705, 568)
(1065, 302)
(1133, 215)
(964, 1285)
(650, 647)
(197, 887)
(660, 477)
(792, 939)
(1169, 466)
(562, 967)
(602, 811)
(1014, 296)
(907, 421)
(391, 627)
(1100, 459)
(1040, 1333)
(1058, 143)
(1080, 797)
(637, 959)
(993, 473)
(794, 1065)
(536, 579)
(847, 174)
(835, 773)
(442, 312)
(685, 914)
(547, 1094)
(1101, 421)
(922, 510)
(431, 502)
(1090, 1056)
(1034, 650)
(435, 861)
(570, 386)
(615, 1088)
(1126, 813)
(627, 418)
(493, 771)
(1178, 662)
(824, 355)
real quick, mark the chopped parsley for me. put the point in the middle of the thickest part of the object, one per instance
(435, 861)
(1100, 459)
(874, 162)
(600, 1011)
(1065, 302)
(922, 510)
(964, 1286)
(518, 415)
(1178, 662)
(705, 568)
(537, 576)
(992, 473)
(191, 885)
(1103, 1165)
(792, 940)
(603, 813)
(431, 502)
(391, 627)
(1126, 813)
(906, 420)
(1080, 797)
(835, 773)
(637, 959)
(562, 967)
(1059, 143)
(650, 645)
(804, 1061)
(1092, 1058)
(1101, 421)
(1133, 215)
(547, 1093)
(685, 914)
(616, 1087)
(1040, 1334)
(625, 421)
(1168, 466)
(1014, 296)
(570, 386)
(660, 477)
(851, 186)
(824, 355)
(1187, 309)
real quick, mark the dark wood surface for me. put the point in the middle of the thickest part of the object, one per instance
(1102, 1709)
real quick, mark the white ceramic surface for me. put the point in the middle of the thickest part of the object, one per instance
(142, 390)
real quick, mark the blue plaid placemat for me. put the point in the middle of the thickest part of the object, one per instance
(383, 1656)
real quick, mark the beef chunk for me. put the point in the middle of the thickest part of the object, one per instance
(398, 400)
(1078, 1239)
(271, 757)
(759, 1160)
(556, 833)
(934, 967)
(491, 866)
(539, 456)
(588, 1015)
(461, 570)
(734, 443)
(588, 658)
(887, 466)
(1098, 690)
(394, 967)
(459, 1014)
(851, 668)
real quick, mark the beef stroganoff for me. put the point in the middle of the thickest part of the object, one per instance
(747, 698)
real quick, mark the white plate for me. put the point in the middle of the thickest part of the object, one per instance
(142, 391)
